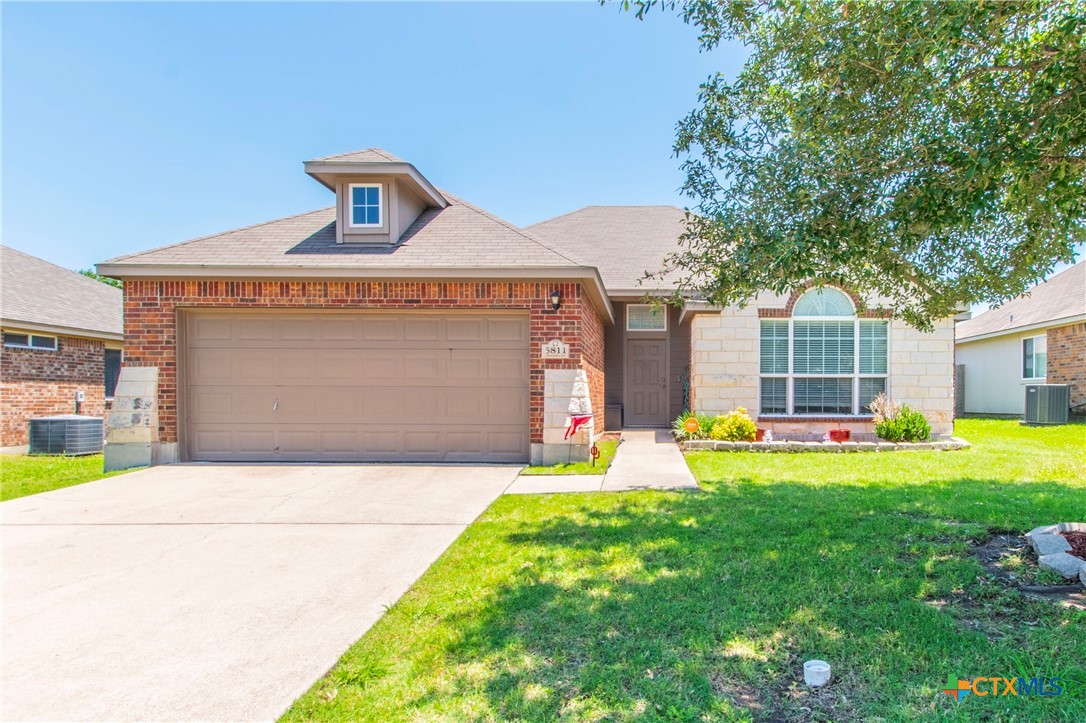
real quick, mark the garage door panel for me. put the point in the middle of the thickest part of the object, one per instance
(504, 366)
(424, 366)
(507, 329)
(357, 387)
(422, 329)
(255, 327)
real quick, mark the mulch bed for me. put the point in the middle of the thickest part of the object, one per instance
(1077, 540)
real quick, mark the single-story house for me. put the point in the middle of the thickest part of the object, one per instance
(405, 323)
(62, 334)
(1036, 338)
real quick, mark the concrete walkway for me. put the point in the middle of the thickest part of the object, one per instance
(212, 592)
(647, 459)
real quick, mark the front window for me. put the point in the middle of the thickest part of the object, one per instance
(1035, 357)
(824, 360)
(365, 199)
(30, 341)
(646, 317)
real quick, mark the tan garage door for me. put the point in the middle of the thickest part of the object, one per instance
(356, 386)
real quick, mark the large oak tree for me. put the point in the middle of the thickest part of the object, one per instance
(933, 153)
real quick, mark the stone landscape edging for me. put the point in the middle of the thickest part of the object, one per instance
(942, 445)
(1053, 549)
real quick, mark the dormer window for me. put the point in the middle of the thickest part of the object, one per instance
(365, 205)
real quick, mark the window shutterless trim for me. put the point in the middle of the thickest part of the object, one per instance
(30, 341)
(662, 315)
(855, 375)
(1033, 354)
(351, 205)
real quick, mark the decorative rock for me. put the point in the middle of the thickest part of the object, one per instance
(1072, 526)
(741, 446)
(1067, 565)
(1047, 544)
(887, 446)
(724, 446)
(797, 447)
(759, 446)
(850, 446)
(868, 446)
(1082, 575)
(699, 444)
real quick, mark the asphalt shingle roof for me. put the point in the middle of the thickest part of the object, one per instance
(623, 242)
(366, 155)
(38, 292)
(459, 235)
(1060, 297)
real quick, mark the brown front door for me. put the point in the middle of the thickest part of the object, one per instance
(646, 383)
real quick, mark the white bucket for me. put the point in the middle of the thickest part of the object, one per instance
(816, 673)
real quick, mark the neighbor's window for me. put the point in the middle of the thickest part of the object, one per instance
(113, 371)
(30, 341)
(1035, 357)
(646, 317)
(365, 204)
(824, 360)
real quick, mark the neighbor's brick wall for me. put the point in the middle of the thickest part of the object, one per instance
(724, 367)
(39, 383)
(151, 320)
(1067, 360)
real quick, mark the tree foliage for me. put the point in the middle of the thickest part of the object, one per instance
(933, 153)
(91, 274)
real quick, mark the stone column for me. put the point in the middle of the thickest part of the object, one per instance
(132, 424)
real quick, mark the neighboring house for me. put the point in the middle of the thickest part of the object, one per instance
(404, 323)
(62, 334)
(1037, 338)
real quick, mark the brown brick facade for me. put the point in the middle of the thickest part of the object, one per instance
(38, 383)
(151, 321)
(1067, 361)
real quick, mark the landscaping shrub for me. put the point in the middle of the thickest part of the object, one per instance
(898, 422)
(735, 426)
(705, 426)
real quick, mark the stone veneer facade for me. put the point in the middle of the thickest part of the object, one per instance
(151, 323)
(1067, 361)
(724, 369)
(41, 382)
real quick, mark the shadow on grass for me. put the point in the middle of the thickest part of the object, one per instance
(704, 606)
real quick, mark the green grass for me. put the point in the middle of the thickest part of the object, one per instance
(22, 475)
(703, 606)
(607, 453)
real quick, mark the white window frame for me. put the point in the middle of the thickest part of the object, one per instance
(380, 205)
(855, 375)
(1022, 358)
(662, 315)
(30, 341)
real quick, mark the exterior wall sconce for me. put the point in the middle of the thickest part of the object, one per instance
(556, 299)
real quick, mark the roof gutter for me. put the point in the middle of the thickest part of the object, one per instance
(17, 324)
(1062, 321)
(589, 276)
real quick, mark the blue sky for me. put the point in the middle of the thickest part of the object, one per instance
(130, 126)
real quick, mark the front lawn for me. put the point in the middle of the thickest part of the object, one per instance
(22, 475)
(703, 606)
(607, 453)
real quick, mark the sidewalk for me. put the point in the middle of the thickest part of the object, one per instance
(647, 459)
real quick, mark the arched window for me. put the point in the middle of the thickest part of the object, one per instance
(824, 360)
(824, 302)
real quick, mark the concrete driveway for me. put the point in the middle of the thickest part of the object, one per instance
(213, 592)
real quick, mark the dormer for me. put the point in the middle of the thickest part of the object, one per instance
(378, 196)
